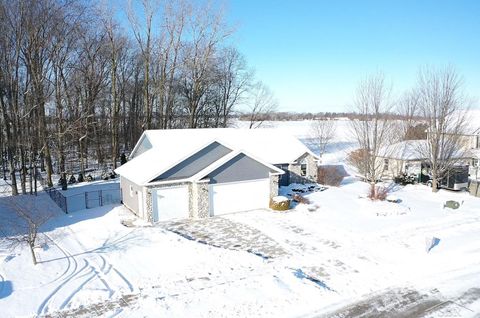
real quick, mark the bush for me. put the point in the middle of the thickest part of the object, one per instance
(123, 159)
(378, 193)
(72, 179)
(329, 175)
(405, 179)
(299, 199)
(357, 158)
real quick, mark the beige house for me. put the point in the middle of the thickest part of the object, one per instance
(402, 157)
(406, 157)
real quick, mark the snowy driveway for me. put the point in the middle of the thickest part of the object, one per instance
(224, 233)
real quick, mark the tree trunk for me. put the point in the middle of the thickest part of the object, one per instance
(435, 186)
(23, 171)
(12, 173)
(32, 251)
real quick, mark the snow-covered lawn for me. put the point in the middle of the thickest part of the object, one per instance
(350, 256)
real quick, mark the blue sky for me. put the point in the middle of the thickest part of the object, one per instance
(312, 54)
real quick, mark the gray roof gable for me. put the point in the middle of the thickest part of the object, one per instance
(195, 163)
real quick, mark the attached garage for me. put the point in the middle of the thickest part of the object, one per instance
(213, 180)
(170, 203)
(240, 183)
(238, 196)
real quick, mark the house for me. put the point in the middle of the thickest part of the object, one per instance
(401, 157)
(196, 173)
(472, 142)
(475, 164)
(407, 157)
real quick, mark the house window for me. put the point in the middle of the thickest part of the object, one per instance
(303, 169)
(385, 164)
(131, 191)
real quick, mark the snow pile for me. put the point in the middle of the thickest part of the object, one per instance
(279, 199)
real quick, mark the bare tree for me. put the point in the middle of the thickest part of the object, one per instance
(116, 44)
(322, 131)
(143, 35)
(262, 103)
(373, 130)
(411, 124)
(24, 215)
(206, 31)
(444, 107)
(169, 52)
(233, 81)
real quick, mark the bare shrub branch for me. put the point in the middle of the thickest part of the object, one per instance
(23, 217)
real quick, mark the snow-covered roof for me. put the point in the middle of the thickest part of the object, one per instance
(405, 150)
(412, 150)
(269, 145)
(475, 153)
(152, 163)
(143, 168)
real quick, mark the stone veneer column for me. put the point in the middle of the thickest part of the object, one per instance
(199, 200)
(191, 200)
(149, 205)
(203, 202)
(312, 168)
(273, 186)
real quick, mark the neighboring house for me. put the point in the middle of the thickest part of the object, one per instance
(401, 157)
(471, 142)
(475, 164)
(198, 173)
(405, 157)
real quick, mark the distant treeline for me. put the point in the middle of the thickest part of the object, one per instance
(287, 116)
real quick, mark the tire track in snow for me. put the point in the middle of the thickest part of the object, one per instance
(77, 289)
(44, 306)
(78, 279)
(130, 286)
(64, 277)
(122, 276)
(110, 268)
(70, 259)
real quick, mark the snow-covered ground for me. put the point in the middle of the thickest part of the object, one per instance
(336, 150)
(347, 257)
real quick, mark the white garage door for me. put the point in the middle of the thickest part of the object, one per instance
(170, 203)
(239, 196)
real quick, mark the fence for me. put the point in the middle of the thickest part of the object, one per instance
(58, 198)
(85, 200)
